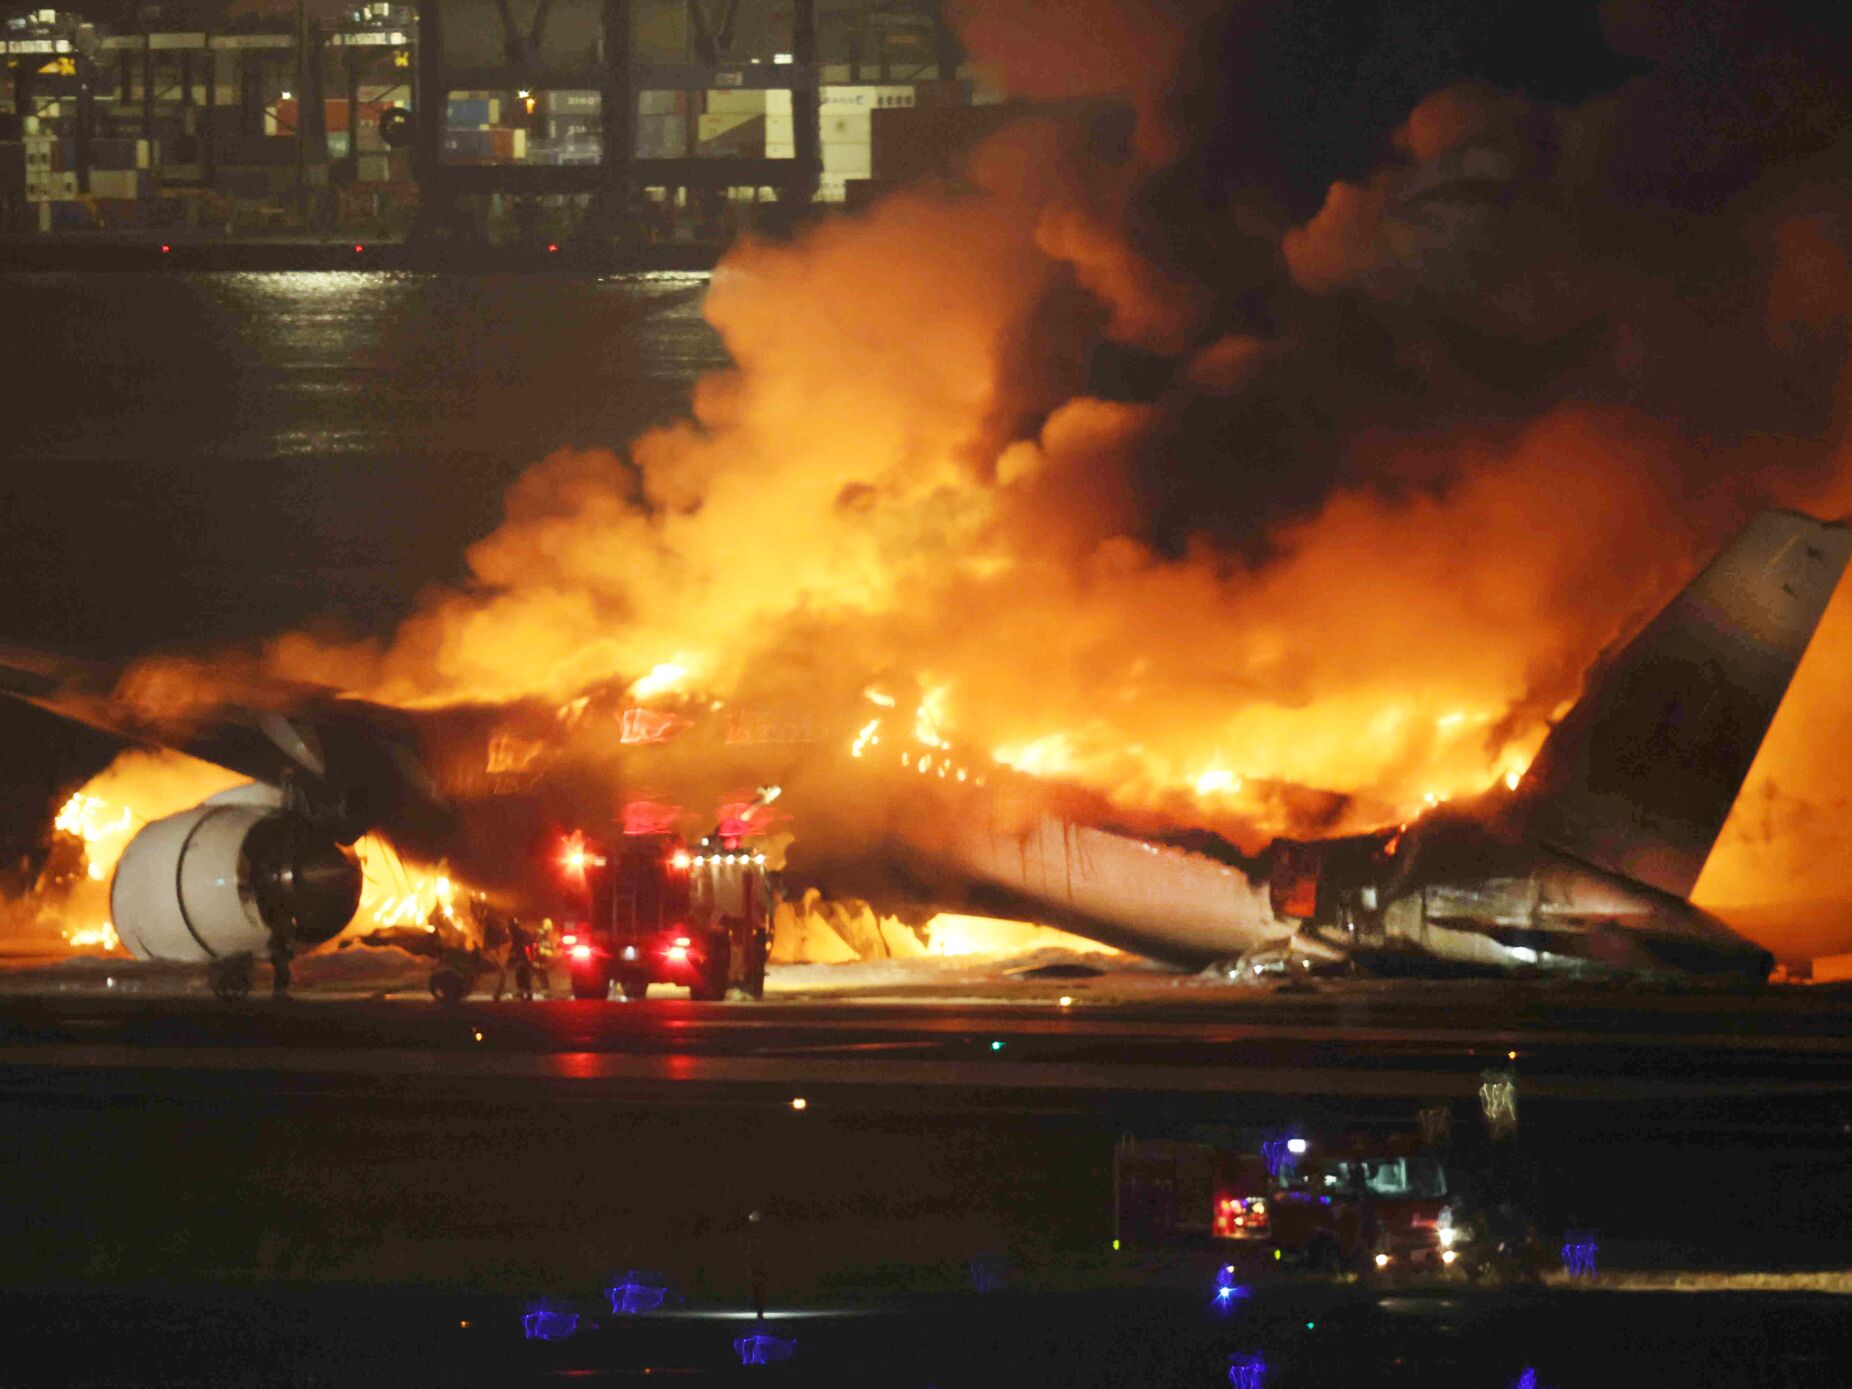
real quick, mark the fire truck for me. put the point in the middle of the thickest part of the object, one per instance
(1375, 1204)
(1180, 1193)
(659, 910)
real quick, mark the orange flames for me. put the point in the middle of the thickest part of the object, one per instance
(904, 483)
(98, 820)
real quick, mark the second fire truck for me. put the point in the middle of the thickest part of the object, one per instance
(663, 911)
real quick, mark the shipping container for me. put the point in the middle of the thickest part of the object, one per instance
(740, 103)
(72, 215)
(467, 147)
(268, 151)
(662, 137)
(840, 101)
(845, 128)
(726, 135)
(250, 184)
(473, 112)
(121, 212)
(575, 103)
(50, 186)
(846, 161)
(940, 94)
(492, 146)
(108, 154)
(662, 103)
(124, 184)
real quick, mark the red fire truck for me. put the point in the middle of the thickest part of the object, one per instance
(1373, 1204)
(662, 911)
(1178, 1192)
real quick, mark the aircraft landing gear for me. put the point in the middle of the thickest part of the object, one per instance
(448, 986)
(230, 979)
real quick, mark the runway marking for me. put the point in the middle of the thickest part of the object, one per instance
(678, 1070)
(1107, 1021)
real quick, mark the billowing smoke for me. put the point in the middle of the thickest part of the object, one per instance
(1267, 432)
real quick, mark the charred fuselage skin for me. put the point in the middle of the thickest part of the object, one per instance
(1470, 891)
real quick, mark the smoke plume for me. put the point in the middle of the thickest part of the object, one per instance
(1268, 431)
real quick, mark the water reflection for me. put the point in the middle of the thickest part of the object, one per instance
(252, 450)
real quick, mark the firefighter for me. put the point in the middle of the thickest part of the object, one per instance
(492, 926)
(755, 1244)
(544, 954)
(279, 964)
(521, 959)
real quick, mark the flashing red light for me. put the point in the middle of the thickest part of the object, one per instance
(575, 857)
(1237, 1216)
(358, 248)
(581, 952)
(552, 246)
(678, 952)
(683, 941)
(166, 250)
(680, 860)
(569, 939)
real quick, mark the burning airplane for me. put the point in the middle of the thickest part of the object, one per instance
(1292, 505)
(1583, 865)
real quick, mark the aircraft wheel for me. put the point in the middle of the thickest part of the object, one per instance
(633, 986)
(230, 980)
(447, 986)
(591, 986)
(711, 985)
(755, 974)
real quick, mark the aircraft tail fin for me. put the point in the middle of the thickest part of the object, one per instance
(1640, 775)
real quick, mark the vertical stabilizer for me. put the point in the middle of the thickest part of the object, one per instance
(1640, 775)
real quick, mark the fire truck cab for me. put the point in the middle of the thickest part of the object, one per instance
(1374, 1204)
(661, 911)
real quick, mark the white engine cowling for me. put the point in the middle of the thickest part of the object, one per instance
(224, 877)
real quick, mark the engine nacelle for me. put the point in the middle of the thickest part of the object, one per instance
(221, 878)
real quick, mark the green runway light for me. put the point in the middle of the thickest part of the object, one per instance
(1311, 1326)
(996, 1046)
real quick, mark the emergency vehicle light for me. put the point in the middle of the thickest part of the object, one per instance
(581, 952)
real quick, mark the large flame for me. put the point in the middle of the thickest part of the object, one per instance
(97, 822)
(1418, 454)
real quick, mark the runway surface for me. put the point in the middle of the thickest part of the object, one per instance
(1045, 1042)
(342, 1138)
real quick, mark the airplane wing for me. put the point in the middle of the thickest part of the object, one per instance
(352, 765)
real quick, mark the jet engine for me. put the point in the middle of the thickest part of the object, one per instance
(221, 879)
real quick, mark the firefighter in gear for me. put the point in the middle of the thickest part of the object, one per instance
(521, 960)
(544, 953)
(280, 953)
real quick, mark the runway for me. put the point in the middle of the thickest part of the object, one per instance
(343, 1137)
(952, 1029)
